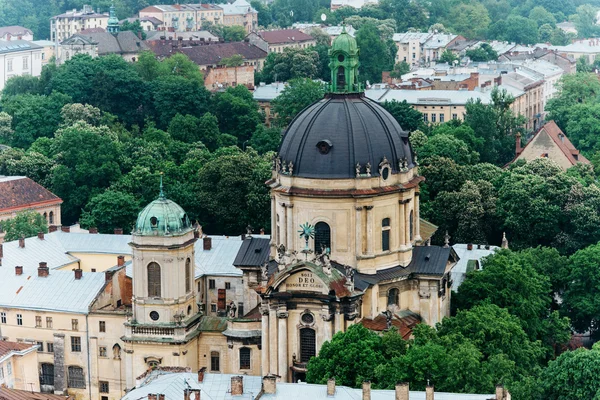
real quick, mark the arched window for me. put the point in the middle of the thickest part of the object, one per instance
(46, 216)
(188, 275)
(341, 77)
(51, 217)
(385, 234)
(308, 346)
(411, 225)
(116, 351)
(215, 363)
(153, 280)
(322, 236)
(47, 375)
(75, 378)
(393, 297)
(244, 358)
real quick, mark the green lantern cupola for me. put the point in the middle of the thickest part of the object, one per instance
(343, 62)
(113, 21)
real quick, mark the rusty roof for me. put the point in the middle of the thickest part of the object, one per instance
(205, 53)
(404, 321)
(20, 192)
(212, 324)
(284, 36)
(14, 394)
(7, 347)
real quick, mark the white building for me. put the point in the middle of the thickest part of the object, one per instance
(19, 57)
(65, 25)
(15, 32)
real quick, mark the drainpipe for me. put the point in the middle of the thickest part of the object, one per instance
(89, 364)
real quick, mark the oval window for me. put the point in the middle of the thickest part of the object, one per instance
(154, 316)
(154, 221)
(385, 173)
(341, 58)
(308, 318)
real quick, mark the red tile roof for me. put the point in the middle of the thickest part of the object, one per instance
(19, 192)
(14, 394)
(404, 321)
(6, 347)
(284, 36)
(204, 53)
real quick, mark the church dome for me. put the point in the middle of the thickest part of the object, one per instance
(341, 136)
(162, 217)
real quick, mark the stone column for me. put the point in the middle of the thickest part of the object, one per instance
(264, 341)
(273, 341)
(129, 376)
(417, 217)
(283, 226)
(327, 328)
(290, 228)
(359, 234)
(60, 372)
(274, 237)
(283, 345)
(369, 230)
(401, 224)
(407, 223)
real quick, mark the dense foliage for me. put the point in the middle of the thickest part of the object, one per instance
(24, 224)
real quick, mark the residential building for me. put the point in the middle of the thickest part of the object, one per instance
(335, 4)
(184, 17)
(76, 44)
(567, 27)
(15, 32)
(19, 193)
(221, 77)
(65, 25)
(18, 366)
(586, 48)
(276, 41)
(19, 57)
(533, 87)
(417, 47)
(550, 142)
(264, 94)
(125, 44)
(148, 24)
(240, 13)
(470, 258)
(48, 50)
(198, 36)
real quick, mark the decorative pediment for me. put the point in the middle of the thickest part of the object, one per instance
(308, 277)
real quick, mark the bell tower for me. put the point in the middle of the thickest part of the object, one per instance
(343, 62)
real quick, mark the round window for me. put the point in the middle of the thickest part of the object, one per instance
(154, 221)
(154, 316)
(385, 173)
(341, 58)
(324, 146)
(308, 318)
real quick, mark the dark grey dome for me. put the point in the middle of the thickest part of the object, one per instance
(330, 137)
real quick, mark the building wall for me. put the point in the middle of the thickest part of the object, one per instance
(68, 51)
(542, 145)
(21, 371)
(8, 37)
(177, 21)
(45, 210)
(280, 47)
(229, 76)
(64, 27)
(99, 262)
(18, 63)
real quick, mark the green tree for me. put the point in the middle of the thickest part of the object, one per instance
(110, 210)
(135, 27)
(180, 65)
(22, 84)
(297, 95)
(176, 94)
(482, 53)
(443, 145)
(234, 33)
(264, 13)
(573, 375)
(291, 64)
(25, 224)
(469, 20)
(400, 69)
(374, 55)
(585, 21)
(237, 112)
(521, 30)
(408, 118)
(448, 57)
(541, 16)
(147, 66)
(265, 139)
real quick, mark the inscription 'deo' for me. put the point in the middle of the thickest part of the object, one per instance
(304, 280)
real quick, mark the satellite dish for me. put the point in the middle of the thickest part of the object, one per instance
(323, 17)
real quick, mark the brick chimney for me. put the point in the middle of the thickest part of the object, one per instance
(161, 396)
(66, 229)
(366, 390)
(201, 372)
(237, 385)
(331, 387)
(120, 261)
(152, 396)
(43, 270)
(196, 234)
(93, 230)
(78, 273)
(118, 231)
(402, 391)
(41, 235)
(22, 242)
(429, 392)
(191, 394)
(262, 231)
(52, 228)
(518, 148)
(108, 275)
(269, 384)
(1, 251)
(207, 243)
(19, 270)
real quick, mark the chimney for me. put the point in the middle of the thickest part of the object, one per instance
(262, 231)
(78, 273)
(41, 235)
(93, 230)
(237, 385)
(66, 229)
(1, 251)
(499, 392)
(191, 394)
(43, 270)
(518, 148)
(152, 396)
(108, 275)
(19, 270)
(118, 231)
(196, 234)
(207, 243)
(429, 392)
(201, 372)
(269, 384)
(22, 242)
(402, 391)
(331, 387)
(366, 389)
(161, 396)
(120, 261)
(470, 246)
(52, 228)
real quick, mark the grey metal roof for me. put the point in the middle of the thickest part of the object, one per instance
(358, 130)
(268, 92)
(460, 269)
(429, 97)
(59, 291)
(12, 46)
(242, 334)
(218, 261)
(253, 253)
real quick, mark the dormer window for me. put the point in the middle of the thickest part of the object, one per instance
(154, 222)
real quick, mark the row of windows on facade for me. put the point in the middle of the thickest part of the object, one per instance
(49, 323)
(9, 64)
(8, 370)
(76, 348)
(75, 378)
(154, 278)
(434, 118)
(49, 217)
(281, 49)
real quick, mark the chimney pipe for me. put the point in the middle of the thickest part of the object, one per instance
(152, 396)
(93, 230)
(161, 396)
(196, 234)
(41, 235)
(201, 372)
(78, 273)
(19, 270)
(499, 392)
(366, 390)
(429, 392)
(118, 231)
(43, 270)
(237, 385)
(120, 261)
(402, 391)
(269, 384)
(1, 251)
(66, 229)
(52, 228)
(108, 276)
(207, 243)
(470, 246)
(331, 387)
(22, 242)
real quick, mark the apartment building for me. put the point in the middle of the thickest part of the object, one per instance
(65, 25)
(183, 17)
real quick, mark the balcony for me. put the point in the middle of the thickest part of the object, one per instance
(152, 331)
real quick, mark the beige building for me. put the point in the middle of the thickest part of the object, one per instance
(240, 13)
(48, 50)
(276, 41)
(550, 142)
(19, 193)
(420, 47)
(65, 25)
(183, 17)
(18, 366)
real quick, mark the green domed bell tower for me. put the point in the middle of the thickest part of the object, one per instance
(343, 62)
